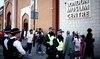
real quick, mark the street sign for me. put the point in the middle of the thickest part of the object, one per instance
(4, 0)
(34, 15)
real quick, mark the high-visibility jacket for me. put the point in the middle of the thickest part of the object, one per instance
(51, 40)
(61, 45)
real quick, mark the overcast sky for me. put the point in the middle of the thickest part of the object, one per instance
(1, 2)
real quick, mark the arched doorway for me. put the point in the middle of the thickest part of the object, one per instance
(9, 20)
(25, 24)
(25, 21)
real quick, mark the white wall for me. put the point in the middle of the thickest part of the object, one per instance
(81, 24)
(13, 14)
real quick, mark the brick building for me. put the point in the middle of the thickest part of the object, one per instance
(18, 14)
(1, 18)
(72, 15)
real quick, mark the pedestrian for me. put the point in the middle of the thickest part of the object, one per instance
(69, 47)
(35, 36)
(73, 35)
(29, 39)
(51, 43)
(0, 38)
(40, 39)
(82, 45)
(60, 39)
(15, 48)
(22, 34)
(2, 35)
(5, 42)
(89, 49)
(77, 46)
(25, 33)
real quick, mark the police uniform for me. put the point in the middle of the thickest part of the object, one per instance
(15, 48)
(4, 43)
(51, 44)
(59, 54)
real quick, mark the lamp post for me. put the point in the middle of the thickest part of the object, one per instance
(34, 12)
(65, 10)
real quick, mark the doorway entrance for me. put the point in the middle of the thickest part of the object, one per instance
(8, 20)
(25, 24)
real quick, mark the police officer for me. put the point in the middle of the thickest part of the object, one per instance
(14, 45)
(59, 54)
(4, 43)
(51, 43)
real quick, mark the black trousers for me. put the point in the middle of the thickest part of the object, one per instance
(15, 57)
(60, 54)
(6, 55)
(50, 53)
(29, 47)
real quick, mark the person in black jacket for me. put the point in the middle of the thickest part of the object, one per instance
(51, 44)
(40, 39)
(59, 48)
(5, 41)
(89, 49)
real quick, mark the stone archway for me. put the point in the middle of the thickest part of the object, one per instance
(25, 22)
(8, 21)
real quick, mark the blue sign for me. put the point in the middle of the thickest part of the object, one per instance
(5, 0)
(34, 15)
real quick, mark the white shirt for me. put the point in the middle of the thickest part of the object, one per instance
(6, 41)
(29, 38)
(77, 44)
(42, 33)
(25, 33)
(18, 46)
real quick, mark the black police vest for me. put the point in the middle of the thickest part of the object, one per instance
(11, 48)
(4, 48)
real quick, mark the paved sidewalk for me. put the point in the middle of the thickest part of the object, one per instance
(33, 52)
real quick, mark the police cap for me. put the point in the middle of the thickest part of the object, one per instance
(15, 30)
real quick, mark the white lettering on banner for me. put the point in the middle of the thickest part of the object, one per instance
(78, 9)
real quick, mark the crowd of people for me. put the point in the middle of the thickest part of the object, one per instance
(75, 46)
